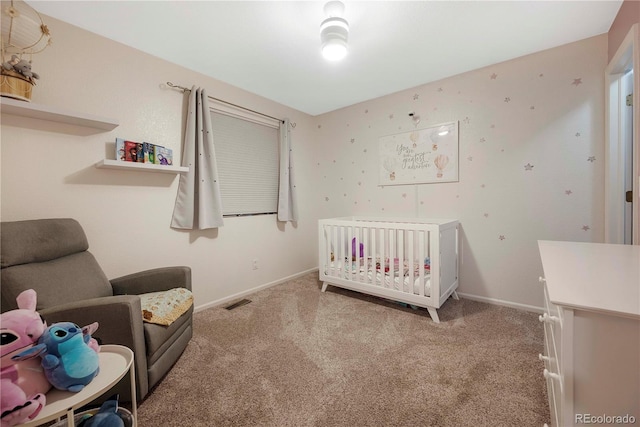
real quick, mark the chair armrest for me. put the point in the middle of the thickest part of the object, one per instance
(120, 322)
(155, 280)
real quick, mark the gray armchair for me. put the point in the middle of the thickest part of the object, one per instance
(51, 256)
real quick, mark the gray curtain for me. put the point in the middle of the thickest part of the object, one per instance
(287, 208)
(198, 203)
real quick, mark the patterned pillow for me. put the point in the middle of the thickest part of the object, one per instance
(165, 307)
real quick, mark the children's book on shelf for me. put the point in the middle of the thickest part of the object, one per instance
(120, 150)
(148, 152)
(131, 151)
(163, 155)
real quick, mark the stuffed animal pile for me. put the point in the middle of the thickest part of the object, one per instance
(68, 359)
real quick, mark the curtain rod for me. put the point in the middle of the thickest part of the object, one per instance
(184, 89)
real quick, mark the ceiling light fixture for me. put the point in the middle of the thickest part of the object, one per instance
(334, 32)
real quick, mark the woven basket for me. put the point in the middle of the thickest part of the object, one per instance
(14, 85)
(125, 414)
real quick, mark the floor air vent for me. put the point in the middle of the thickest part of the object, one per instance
(238, 304)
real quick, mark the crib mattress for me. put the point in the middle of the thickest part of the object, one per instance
(361, 274)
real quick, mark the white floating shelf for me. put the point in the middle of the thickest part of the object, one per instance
(56, 114)
(140, 167)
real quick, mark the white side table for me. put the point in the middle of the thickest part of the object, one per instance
(115, 361)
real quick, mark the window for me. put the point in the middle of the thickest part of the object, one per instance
(246, 147)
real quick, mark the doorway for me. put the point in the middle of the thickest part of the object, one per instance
(622, 177)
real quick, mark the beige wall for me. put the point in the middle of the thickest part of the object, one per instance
(545, 109)
(126, 215)
(530, 113)
(628, 15)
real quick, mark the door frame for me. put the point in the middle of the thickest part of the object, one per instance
(627, 54)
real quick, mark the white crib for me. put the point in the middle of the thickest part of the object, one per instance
(410, 260)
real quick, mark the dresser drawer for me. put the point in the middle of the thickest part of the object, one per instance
(553, 384)
(553, 319)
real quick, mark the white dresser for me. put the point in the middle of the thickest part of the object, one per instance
(592, 332)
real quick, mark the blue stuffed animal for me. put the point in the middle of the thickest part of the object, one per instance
(107, 416)
(69, 362)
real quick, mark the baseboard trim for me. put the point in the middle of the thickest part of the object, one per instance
(252, 290)
(504, 303)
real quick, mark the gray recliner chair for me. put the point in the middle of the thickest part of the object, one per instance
(51, 256)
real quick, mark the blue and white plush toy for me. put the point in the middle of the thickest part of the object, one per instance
(69, 362)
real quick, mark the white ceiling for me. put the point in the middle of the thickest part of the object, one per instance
(272, 48)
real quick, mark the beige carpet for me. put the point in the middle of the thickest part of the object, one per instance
(297, 357)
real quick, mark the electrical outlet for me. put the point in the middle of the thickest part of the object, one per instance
(255, 264)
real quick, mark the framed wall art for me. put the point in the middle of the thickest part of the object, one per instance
(421, 156)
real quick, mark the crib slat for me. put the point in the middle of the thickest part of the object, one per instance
(334, 243)
(365, 255)
(392, 255)
(421, 259)
(410, 260)
(401, 288)
(339, 258)
(382, 255)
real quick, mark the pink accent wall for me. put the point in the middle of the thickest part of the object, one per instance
(628, 15)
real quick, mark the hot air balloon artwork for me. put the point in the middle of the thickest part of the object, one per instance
(414, 136)
(441, 162)
(419, 156)
(390, 165)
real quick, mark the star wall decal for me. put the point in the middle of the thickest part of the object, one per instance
(501, 237)
(568, 192)
(528, 167)
(483, 140)
(440, 89)
(416, 97)
(507, 99)
(591, 159)
(404, 195)
(486, 215)
(577, 134)
(470, 158)
(353, 140)
(494, 76)
(391, 116)
(577, 81)
(586, 228)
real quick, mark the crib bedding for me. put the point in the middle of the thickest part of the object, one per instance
(364, 272)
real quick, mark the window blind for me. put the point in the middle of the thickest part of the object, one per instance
(247, 159)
